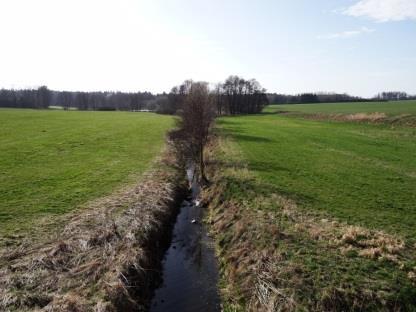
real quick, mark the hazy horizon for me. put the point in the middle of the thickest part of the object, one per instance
(344, 46)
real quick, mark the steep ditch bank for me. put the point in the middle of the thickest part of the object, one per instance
(106, 258)
(190, 272)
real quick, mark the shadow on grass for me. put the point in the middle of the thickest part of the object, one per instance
(268, 167)
(276, 112)
(245, 188)
(250, 138)
(230, 117)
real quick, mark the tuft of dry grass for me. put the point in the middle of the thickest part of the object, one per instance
(105, 258)
(372, 117)
(407, 120)
(368, 243)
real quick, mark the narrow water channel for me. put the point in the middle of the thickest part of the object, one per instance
(190, 272)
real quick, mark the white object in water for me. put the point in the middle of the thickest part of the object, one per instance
(197, 202)
(193, 221)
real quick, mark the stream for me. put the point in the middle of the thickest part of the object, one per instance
(190, 272)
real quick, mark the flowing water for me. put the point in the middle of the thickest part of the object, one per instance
(190, 272)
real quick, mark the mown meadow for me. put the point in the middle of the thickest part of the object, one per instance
(324, 209)
(51, 162)
(360, 173)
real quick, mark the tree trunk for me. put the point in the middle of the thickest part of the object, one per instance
(204, 179)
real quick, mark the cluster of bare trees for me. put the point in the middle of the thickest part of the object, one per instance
(43, 98)
(239, 96)
(198, 106)
(234, 96)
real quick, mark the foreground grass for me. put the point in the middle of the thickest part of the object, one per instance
(359, 173)
(53, 161)
(389, 108)
(275, 255)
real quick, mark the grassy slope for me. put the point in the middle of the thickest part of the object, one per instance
(363, 174)
(390, 108)
(53, 161)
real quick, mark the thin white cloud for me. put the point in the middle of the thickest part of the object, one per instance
(384, 10)
(348, 33)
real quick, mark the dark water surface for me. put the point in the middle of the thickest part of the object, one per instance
(190, 272)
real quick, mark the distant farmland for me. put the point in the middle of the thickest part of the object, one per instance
(389, 108)
(51, 162)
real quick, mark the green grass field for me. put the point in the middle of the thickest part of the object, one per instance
(360, 173)
(53, 161)
(357, 173)
(389, 108)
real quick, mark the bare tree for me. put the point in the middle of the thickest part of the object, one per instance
(197, 117)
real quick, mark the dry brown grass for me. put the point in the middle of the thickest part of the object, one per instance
(373, 117)
(357, 117)
(367, 243)
(104, 258)
(407, 120)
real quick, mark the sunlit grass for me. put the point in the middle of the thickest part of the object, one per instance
(363, 174)
(53, 161)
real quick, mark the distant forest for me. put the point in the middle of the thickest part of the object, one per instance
(234, 96)
(44, 98)
(310, 98)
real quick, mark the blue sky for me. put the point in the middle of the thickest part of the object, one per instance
(357, 46)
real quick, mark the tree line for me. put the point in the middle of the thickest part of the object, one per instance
(310, 98)
(42, 98)
(394, 96)
(234, 96)
(322, 97)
